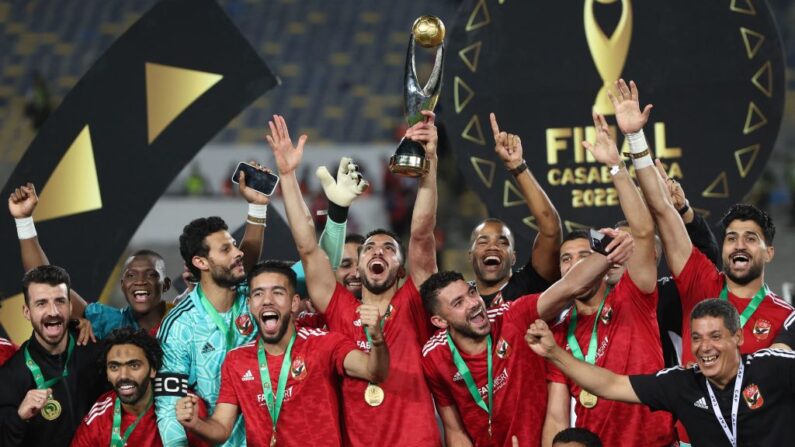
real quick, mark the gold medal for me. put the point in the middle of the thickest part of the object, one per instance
(374, 395)
(51, 410)
(587, 399)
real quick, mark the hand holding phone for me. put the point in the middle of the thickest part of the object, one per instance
(599, 242)
(261, 181)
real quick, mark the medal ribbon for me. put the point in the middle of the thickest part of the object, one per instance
(738, 384)
(751, 308)
(120, 441)
(229, 335)
(36, 371)
(576, 351)
(274, 402)
(463, 369)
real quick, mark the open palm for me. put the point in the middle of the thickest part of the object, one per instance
(287, 156)
(628, 114)
(604, 149)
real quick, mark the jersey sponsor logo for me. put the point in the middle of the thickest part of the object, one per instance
(761, 329)
(602, 347)
(503, 349)
(247, 376)
(298, 368)
(701, 403)
(288, 394)
(499, 382)
(207, 348)
(244, 325)
(753, 398)
(607, 314)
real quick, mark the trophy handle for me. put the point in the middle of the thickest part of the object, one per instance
(415, 98)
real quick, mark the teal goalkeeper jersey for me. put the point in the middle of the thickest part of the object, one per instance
(193, 345)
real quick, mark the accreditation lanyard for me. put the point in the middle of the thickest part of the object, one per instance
(229, 335)
(36, 371)
(572, 339)
(274, 402)
(116, 440)
(738, 383)
(751, 308)
(463, 369)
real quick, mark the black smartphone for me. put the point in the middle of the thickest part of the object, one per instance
(599, 242)
(262, 181)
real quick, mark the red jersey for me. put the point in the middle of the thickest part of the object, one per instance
(310, 411)
(520, 389)
(7, 349)
(700, 280)
(310, 320)
(406, 417)
(95, 429)
(628, 342)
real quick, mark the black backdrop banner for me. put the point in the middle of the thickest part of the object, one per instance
(713, 70)
(136, 118)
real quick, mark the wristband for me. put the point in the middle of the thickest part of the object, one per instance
(615, 169)
(257, 214)
(637, 142)
(684, 209)
(337, 213)
(25, 228)
(519, 169)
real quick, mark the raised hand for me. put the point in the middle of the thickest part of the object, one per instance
(620, 249)
(250, 194)
(371, 321)
(507, 145)
(347, 187)
(540, 339)
(604, 149)
(425, 133)
(188, 411)
(23, 201)
(628, 115)
(85, 332)
(33, 402)
(674, 188)
(288, 157)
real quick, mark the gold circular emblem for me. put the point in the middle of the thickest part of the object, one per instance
(51, 410)
(587, 399)
(374, 395)
(428, 31)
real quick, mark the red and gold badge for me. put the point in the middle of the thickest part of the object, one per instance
(298, 368)
(761, 329)
(607, 314)
(244, 325)
(753, 398)
(503, 349)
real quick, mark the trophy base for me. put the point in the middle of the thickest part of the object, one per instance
(408, 165)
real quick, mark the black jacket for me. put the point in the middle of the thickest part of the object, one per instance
(76, 393)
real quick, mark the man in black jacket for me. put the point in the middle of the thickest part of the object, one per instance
(50, 383)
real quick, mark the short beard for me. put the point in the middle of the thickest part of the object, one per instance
(754, 272)
(224, 278)
(279, 334)
(379, 289)
(466, 331)
(140, 391)
(502, 276)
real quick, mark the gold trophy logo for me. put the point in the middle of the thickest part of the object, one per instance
(609, 54)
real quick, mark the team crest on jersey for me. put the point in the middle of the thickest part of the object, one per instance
(298, 368)
(753, 398)
(503, 349)
(244, 325)
(607, 314)
(389, 311)
(761, 329)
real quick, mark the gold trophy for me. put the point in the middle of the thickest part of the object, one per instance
(409, 158)
(609, 54)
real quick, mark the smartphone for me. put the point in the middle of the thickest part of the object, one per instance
(262, 181)
(599, 242)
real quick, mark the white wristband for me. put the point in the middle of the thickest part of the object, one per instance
(642, 162)
(258, 211)
(637, 142)
(25, 228)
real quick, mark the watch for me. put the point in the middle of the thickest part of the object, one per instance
(684, 209)
(519, 169)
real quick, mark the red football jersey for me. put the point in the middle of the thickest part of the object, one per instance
(95, 429)
(310, 411)
(628, 342)
(700, 280)
(406, 417)
(7, 349)
(520, 388)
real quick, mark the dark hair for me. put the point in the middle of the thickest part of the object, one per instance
(580, 435)
(391, 234)
(45, 274)
(718, 308)
(275, 266)
(130, 336)
(488, 220)
(191, 241)
(354, 238)
(743, 211)
(576, 234)
(429, 290)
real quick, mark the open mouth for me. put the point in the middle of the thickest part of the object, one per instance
(53, 327)
(353, 282)
(127, 389)
(491, 261)
(141, 296)
(270, 320)
(709, 360)
(478, 318)
(377, 266)
(740, 260)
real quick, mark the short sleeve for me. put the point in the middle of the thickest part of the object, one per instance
(553, 373)
(787, 333)
(655, 390)
(341, 346)
(103, 319)
(227, 394)
(697, 273)
(522, 312)
(341, 300)
(83, 436)
(441, 393)
(627, 290)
